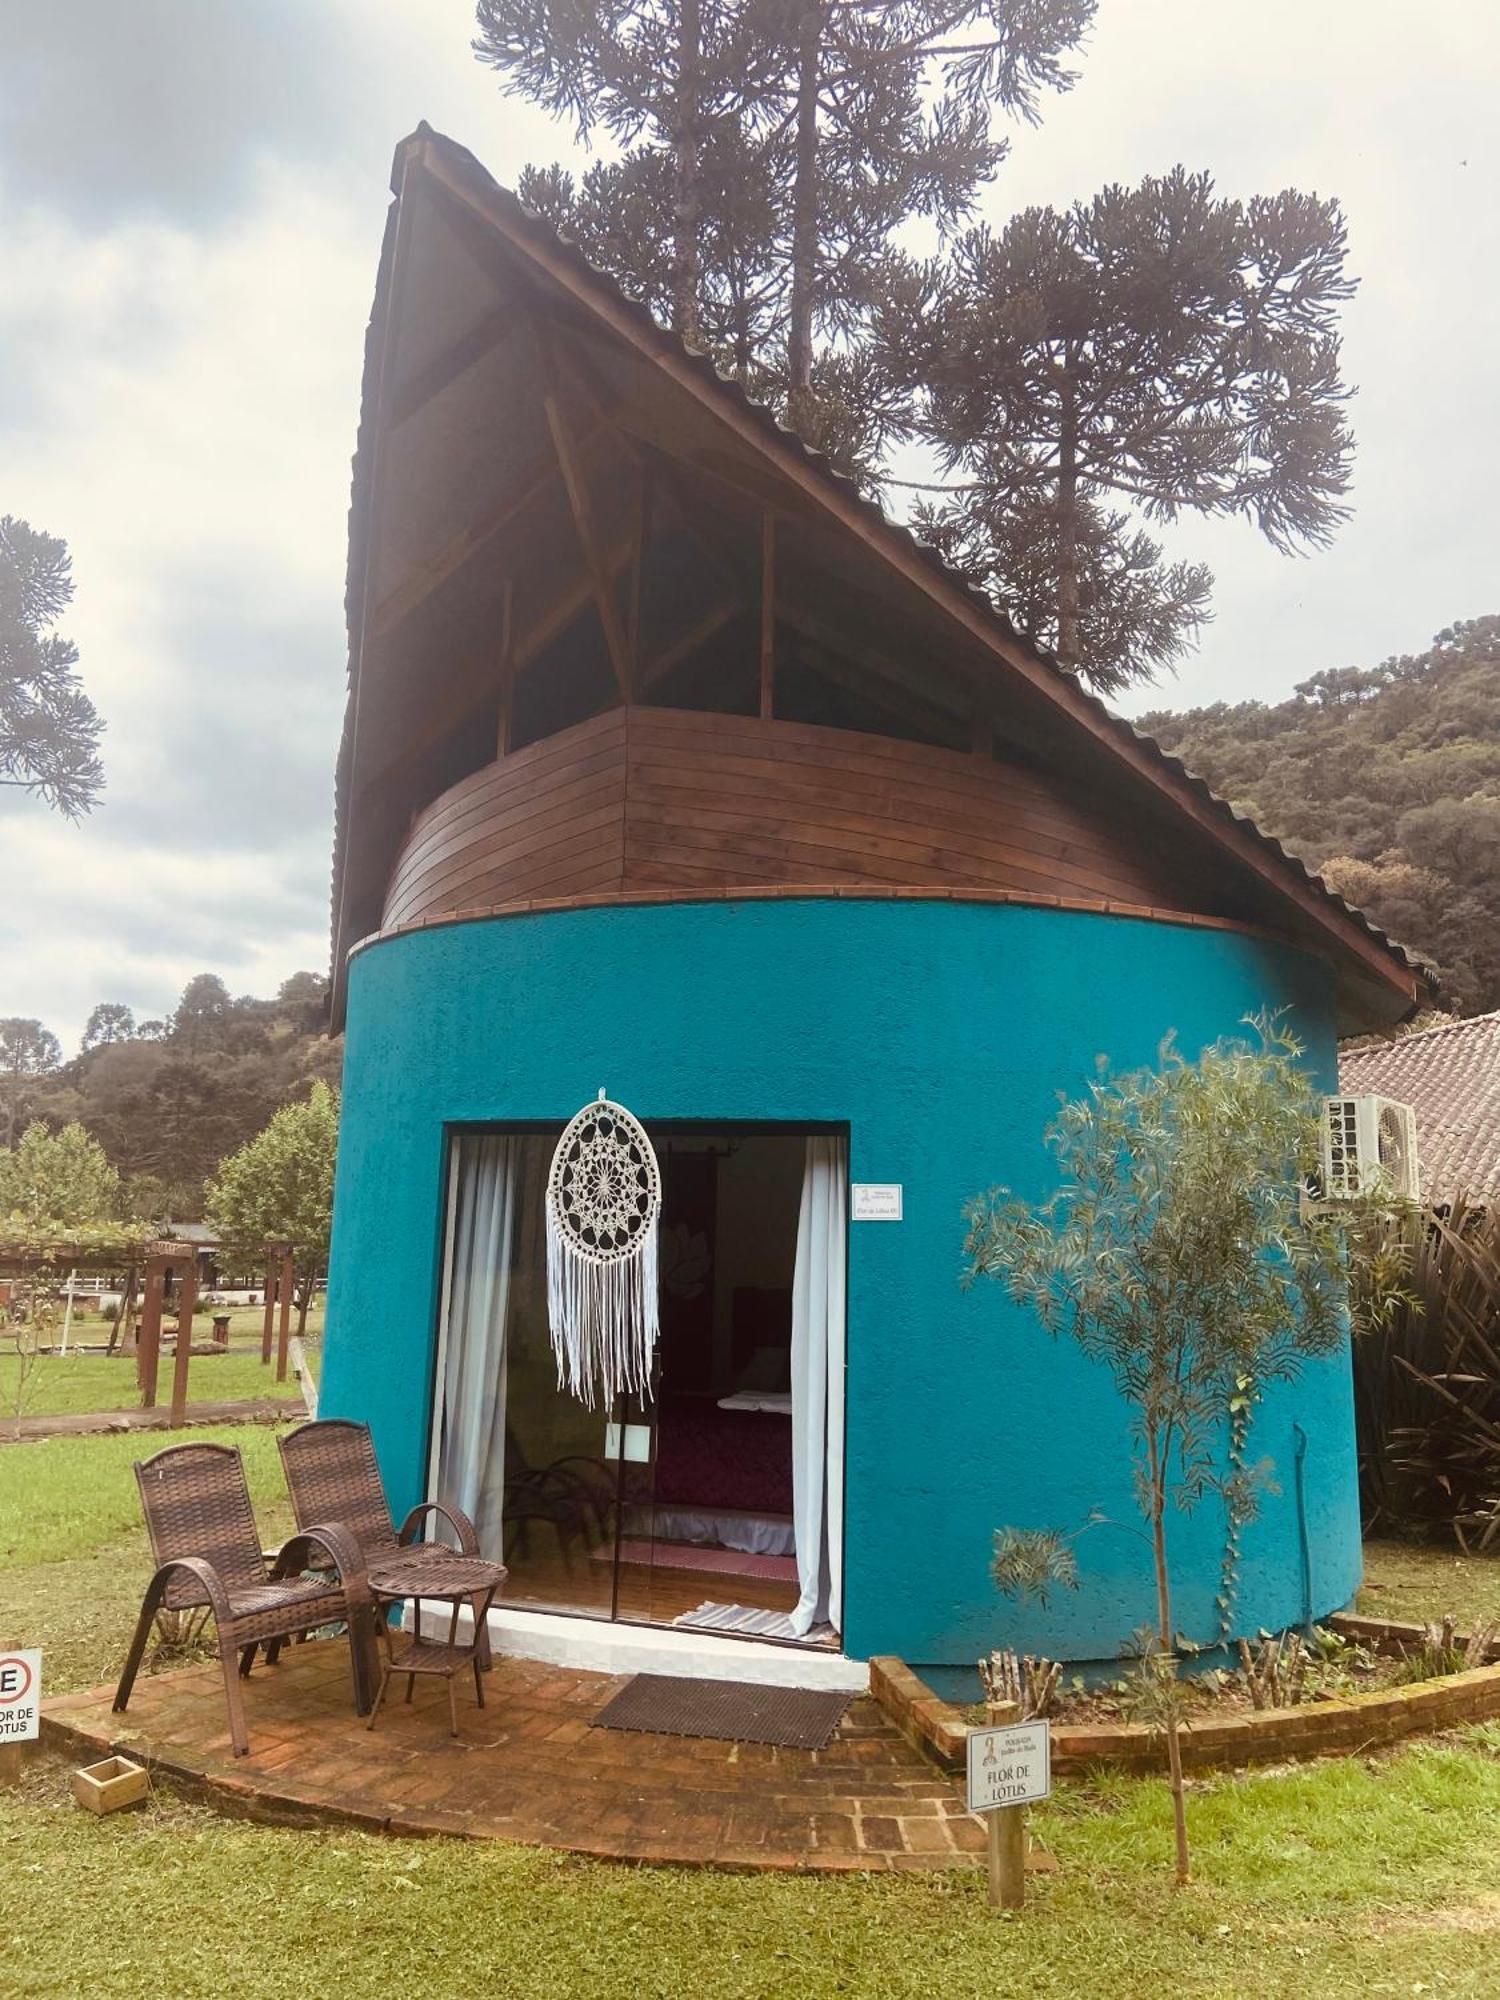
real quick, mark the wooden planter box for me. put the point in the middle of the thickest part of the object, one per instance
(105, 1787)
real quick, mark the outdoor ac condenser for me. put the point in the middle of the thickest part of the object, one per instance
(1369, 1146)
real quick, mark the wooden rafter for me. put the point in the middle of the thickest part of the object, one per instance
(440, 373)
(662, 663)
(579, 506)
(469, 695)
(462, 549)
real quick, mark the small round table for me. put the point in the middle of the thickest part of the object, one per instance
(453, 1579)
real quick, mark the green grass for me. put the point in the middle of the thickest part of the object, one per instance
(77, 1384)
(1414, 1582)
(1338, 1878)
(1368, 1877)
(74, 1561)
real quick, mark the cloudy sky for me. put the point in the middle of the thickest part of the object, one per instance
(191, 199)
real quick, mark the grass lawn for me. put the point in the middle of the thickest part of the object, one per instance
(1360, 1876)
(1415, 1581)
(72, 1383)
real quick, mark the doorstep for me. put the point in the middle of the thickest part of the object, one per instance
(600, 1646)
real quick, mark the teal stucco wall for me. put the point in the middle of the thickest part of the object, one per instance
(940, 1033)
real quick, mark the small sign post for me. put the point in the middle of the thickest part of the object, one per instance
(20, 1707)
(1010, 1767)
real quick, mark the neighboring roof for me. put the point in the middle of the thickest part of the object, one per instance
(1388, 983)
(1450, 1076)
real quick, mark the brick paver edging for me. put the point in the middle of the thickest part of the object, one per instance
(1316, 1729)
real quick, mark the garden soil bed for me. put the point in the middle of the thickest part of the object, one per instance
(1224, 1729)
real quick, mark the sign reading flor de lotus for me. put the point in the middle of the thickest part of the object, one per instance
(1009, 1766)
(20, 1696)
(875, 1201)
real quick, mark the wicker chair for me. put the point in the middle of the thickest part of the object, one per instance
(333, 1475)
(208, 1552)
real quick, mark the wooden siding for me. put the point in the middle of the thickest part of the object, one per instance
(654, 799)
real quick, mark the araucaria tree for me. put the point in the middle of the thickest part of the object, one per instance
(771, 149)
(49, 729)
(1177, 1252)
(1153, 352)
(279, 1189)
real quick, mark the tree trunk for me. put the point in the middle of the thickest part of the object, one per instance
(1067, 524)
(687, 193)
(799, 346)
(1168, 1645)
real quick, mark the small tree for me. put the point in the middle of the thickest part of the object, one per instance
(279, 1189)
(58, 1178)
(1178, 1252)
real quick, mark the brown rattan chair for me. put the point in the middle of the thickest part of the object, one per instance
(333, 1475)
(208, 1552)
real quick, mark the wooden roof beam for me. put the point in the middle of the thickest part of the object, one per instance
(579, 506)
(419, 389)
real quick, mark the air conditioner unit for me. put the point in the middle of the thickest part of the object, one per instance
(1369, 1147)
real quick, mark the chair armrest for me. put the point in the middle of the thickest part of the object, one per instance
(207, 1575)
(457, 1519)
(336, 1541)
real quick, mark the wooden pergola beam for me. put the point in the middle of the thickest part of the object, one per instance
(187, 1301)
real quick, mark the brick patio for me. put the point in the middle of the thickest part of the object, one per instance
(528, 1767)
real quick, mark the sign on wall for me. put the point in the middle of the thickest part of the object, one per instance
(20, 1696)
(875, 1201)
(1009, 1766)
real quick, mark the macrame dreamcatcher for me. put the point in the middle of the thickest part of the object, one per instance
(603, 1204)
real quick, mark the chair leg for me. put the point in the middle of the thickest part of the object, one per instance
(247, 1659)
(478, 1685)
(233, 1699)
(385, 1675)
(452, 1705)
(137, 1648)
(273, 1649)
(411, 1686)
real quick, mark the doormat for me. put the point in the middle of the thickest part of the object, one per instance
(699, 1556)
(727, 1711)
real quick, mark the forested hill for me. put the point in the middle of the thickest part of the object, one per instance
(169, 1099)
(1386, 780)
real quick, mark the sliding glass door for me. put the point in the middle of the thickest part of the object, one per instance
(714, 1502)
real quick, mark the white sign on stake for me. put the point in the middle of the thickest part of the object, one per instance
(1009, 1766)
(20, 1696)
(875, 1201)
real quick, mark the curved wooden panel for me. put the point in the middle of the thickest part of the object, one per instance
(656, 799)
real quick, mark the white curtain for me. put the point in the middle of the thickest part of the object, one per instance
(472, 1465)
(818, 1385)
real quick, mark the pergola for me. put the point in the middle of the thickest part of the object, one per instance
(107, 1250)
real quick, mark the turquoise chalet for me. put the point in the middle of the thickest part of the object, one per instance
(674, 770)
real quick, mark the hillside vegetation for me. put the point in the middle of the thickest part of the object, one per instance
(1386, 781)
(169, 1099)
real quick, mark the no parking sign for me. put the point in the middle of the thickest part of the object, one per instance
(20, 1696)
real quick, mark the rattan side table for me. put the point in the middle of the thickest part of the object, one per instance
(454, 1580)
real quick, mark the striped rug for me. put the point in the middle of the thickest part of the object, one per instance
(711, 1617)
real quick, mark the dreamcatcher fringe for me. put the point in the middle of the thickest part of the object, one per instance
(603, 1318)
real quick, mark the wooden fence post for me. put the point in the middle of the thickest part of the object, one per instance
(148, 1353)
(285, 1332)
(187, 1299)
(268, 1328)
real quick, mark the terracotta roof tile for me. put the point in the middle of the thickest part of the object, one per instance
(1451, 1078)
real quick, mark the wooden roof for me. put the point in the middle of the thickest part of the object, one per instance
(546, 477)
